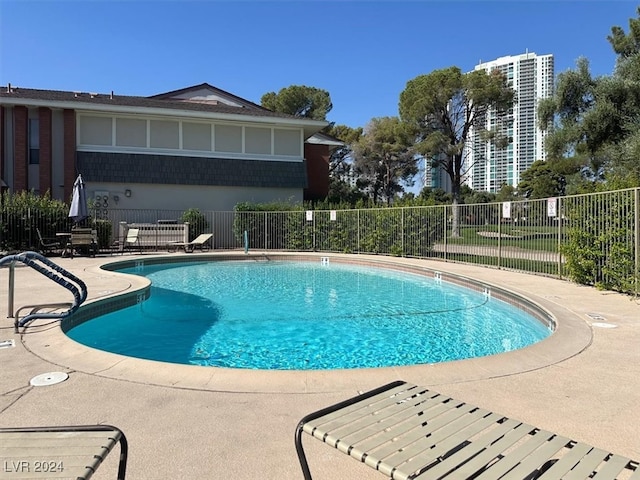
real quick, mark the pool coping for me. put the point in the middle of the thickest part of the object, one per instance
(571, 336)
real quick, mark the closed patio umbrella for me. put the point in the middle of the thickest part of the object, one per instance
(79, 209)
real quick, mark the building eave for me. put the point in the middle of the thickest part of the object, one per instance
(310, 126)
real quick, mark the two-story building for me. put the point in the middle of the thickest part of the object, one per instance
(198, 147)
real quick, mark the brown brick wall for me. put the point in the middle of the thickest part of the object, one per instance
(69, 153)
(3, 160)
(317, 157)
(20, 148)
(44, 115)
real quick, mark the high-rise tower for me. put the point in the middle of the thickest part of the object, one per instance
(532, 78)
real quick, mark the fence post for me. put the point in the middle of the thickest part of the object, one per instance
(637, 240)
(404, 254)
(499, 235)
(445, 211)
(358, 228)
(559, 217)
(12, 281)
(266, 219)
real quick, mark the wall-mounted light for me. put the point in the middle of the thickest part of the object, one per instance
(127, 193)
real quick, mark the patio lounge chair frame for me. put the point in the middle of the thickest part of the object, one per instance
(132, 240)
(409, 432)
(51, 452)
(201, 242)
(48, 245)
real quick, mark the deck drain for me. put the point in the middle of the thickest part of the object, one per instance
(603, 325)
(46, 379)
(7, 343)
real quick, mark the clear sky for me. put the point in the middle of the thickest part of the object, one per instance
(361, 52)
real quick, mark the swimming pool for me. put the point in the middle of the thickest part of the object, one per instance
(306, 316)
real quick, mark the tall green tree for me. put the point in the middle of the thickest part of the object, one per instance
(541, 181)
(627, 47)
(300, 101)
(595, 122)
(444, 106)
(341, 172)
(385, 160)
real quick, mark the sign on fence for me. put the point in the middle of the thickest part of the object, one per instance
(552, 207)
(506, 210)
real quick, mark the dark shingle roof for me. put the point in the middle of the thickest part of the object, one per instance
(83, 98)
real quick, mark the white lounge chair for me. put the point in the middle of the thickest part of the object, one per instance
(132, 240)
(201, 242)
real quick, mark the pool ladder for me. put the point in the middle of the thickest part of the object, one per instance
(53, 271)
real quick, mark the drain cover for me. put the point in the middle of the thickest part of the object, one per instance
(47, 379)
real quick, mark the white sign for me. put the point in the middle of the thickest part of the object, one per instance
(332, 215)
(552, 207)
(506, 210)
(309, 215)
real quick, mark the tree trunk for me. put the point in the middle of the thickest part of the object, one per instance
(455, 220)
(455, 191)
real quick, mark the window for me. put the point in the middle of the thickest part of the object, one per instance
(164, 134)
(95, 130)
(131, 132)
(34, 141)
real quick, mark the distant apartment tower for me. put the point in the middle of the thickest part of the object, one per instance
(433, 176)
(532, 78)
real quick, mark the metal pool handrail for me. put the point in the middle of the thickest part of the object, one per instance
(49, 269)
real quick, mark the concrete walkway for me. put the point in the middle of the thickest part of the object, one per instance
(198, 422)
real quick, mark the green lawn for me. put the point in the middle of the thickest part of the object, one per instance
(533, 266)
(526, 237)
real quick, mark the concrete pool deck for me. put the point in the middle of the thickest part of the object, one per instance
(200, 422)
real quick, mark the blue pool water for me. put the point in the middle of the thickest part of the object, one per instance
(306, 316)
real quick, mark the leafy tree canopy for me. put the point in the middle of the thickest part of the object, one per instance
(341, 163)
(385, 159)
(541, 181)
(444, 106)
(299, 100)
(593, 124)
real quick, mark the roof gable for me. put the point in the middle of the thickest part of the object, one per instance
(208, 94)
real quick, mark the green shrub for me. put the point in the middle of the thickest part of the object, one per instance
(599, 249)
(104, 229)
(197, 222)
(23, 212)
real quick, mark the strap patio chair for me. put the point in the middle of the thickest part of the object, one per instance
(60, 452)
(132, 240)
(46, 245)
(410, 432)
(201, 242)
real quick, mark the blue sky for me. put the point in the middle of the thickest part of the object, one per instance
(361, 52)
